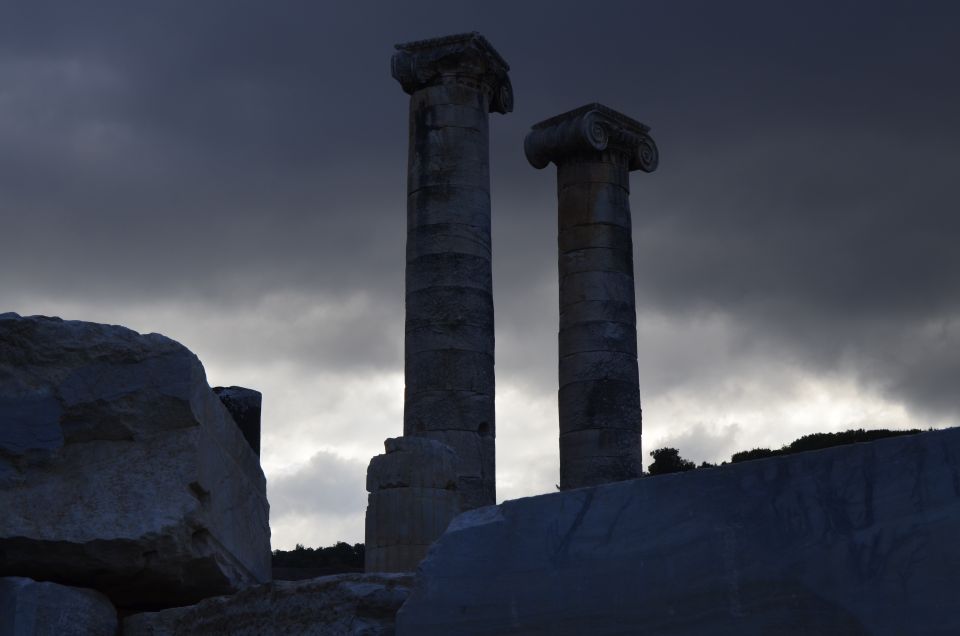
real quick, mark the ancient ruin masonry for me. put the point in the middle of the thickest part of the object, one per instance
(595, 148)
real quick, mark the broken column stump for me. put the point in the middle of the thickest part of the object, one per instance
(244, 406)
(413, 497)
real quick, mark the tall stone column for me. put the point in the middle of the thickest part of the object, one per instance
(594, 149)
(453, 83)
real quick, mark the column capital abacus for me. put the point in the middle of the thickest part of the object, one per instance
(587, 132)
(467, 57)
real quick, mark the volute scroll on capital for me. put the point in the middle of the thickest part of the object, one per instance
(467, 57)
(587, 130)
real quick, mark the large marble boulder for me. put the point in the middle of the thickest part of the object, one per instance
(858, 539)
(32, 608)
(338, 605)
(120, 469)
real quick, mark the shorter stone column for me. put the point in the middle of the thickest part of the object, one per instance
(244, 406)
(594, 149)
(413, 497)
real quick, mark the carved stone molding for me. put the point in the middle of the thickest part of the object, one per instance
(588, 130)
(467, 58)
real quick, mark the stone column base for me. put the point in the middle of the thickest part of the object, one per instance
(413, 497)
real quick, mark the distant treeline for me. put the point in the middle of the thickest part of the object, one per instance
(668, 460)
(341, 557)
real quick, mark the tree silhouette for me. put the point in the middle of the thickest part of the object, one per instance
(819, 441)
(339, 557)
(668, 460)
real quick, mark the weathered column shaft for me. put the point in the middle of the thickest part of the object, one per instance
(599, 397)
(594, 149)
(453, 83)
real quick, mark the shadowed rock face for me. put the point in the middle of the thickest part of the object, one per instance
(860, 539)
(120, 469)
(32, 608)
(343, 604)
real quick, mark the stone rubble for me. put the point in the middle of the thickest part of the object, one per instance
(338, 605)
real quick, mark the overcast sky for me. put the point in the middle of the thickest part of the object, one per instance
(233, 175)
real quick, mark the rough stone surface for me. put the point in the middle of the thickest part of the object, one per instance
(476, 458)
(32, 608)
(338, 605)
(414, 462)
(244, 405)
(858, 539)
(454, 83)
(413, 497)
(594, 149)
(120, 469)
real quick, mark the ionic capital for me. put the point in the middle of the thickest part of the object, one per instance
(587, 131)
(467, 58)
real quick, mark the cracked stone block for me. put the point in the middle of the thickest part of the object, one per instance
(858, 539)
(34, 608)
(120, 469)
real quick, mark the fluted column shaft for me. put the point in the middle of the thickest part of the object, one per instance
(594, 149)
(449, 334)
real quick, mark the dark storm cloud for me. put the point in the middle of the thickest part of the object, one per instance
(228, 150)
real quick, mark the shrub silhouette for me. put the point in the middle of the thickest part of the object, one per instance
(819, 441)
(668, 460)
(340, 556)
(756, 453)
